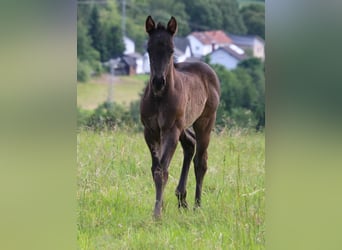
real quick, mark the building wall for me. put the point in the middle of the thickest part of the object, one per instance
(196, 46)
(139, 69)
(146, 63)
(129, 46)
(259, 49)
(223, 58)
(187, 52)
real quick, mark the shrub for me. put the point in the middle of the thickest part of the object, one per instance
(134, 110)
(83, 71)
(243, 118)
(82, 117)
(109, 115)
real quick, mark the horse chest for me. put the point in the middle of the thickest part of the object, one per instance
(161, 118)
(152, 122)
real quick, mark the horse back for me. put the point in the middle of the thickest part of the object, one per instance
(201, 74)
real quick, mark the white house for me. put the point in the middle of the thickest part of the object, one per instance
(228, 56)
(182, 49)
(203, 43)
(129, 45)
(146, 63)
(254, 44)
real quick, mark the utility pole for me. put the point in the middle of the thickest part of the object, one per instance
(123, 18)
(112, 65)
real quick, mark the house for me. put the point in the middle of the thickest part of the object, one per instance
(254, 44)
(138, 62)
(146, 63)
(203, 43)
(129, 45)
(130, 64)
(228, 56)
(182, 49)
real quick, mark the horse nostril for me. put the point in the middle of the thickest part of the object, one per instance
(162, 80)
(158, 83)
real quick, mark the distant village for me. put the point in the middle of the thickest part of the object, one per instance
(220, 48)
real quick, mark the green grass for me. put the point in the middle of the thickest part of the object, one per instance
(116, 195)
(90, 95)
(95, 92)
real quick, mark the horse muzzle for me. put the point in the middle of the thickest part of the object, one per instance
(158, 85)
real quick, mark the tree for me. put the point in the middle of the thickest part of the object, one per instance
(105, 31)
(253, 16)
(255, 69)
(203, 15)
(96, 32)
(232, 21)
(85, 52)
(87, 56)
(215, 14)
(242, 94)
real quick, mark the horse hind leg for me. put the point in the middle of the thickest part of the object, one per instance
(188, 142)
(202, 129)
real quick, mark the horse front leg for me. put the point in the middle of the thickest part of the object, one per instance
(152, 139)
(169, 140)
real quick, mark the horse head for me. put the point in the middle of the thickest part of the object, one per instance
(160, 50)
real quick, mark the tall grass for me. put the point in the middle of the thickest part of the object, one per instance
(116, 195)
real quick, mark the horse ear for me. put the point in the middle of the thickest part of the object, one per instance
(149, 24)
(172, 26)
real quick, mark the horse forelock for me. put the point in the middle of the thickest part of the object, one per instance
(160, 26)
(160, 32)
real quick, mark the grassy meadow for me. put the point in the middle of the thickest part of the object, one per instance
(116, 195)
(95, 92)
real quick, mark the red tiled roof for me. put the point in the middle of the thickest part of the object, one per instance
(213, 36)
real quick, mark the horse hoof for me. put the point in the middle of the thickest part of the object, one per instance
(183, 204)
(197, 207)
(157, 213)
(157, 216)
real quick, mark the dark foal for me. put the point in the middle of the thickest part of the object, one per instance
(177, 97)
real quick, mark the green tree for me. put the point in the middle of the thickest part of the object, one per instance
(255, 68)
(96, 32)
(248, 97)
(83, 71)
(204, 15)
(232, 21)
(253, 16)
(110, 20)
(87, 56)
(105, 31)
(242, 94)
(215, 14)
(85, 52)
